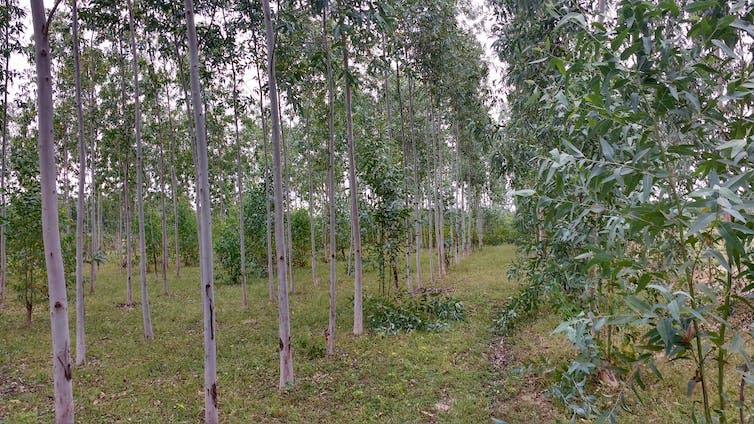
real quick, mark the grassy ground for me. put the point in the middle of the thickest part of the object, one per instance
(409, 378)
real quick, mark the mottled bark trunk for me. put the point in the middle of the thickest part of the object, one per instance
(61, 356)
(174, 184)
(284, 330)
(404, 144)
(145, 313)
(312, 232)
(95, 236)
(80, 330)
(3, 169)
(211, 413)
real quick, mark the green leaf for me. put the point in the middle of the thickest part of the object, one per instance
(523, 193)
(701, 223)
(571, 17)
(559, 65)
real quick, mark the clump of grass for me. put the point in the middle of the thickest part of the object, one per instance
(427, 312)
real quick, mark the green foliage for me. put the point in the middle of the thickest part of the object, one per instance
(638, 211)
(426, 312)
(499, 227)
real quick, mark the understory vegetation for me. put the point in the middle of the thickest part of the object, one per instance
(629, 145)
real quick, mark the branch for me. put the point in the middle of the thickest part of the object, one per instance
(50, 16)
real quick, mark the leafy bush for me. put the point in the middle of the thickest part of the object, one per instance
(427, 312)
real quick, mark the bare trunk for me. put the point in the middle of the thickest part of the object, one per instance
(239, 185)
(284, 331)
(312, 232)
(430, 228)
(267, 202)
(94, 244)
(173, 185)
(80, 331)
(61, 355)
(332, 252)
(439, 220)
(146, 315)
(211, 413)
(479, 221)
(126, 185)
(163, 221)
(409, 283)
(287, 202)
(416, 184)
(358, 324)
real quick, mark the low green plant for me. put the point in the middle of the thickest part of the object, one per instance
(427, 312)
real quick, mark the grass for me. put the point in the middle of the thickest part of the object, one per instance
(408, 378)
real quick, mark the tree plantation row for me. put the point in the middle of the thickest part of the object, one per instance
(629, 144)
(247, 138)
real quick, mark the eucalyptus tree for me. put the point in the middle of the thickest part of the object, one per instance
(284, 325)
(61, 356)
(211, 413)
(80, 335)
(146, 315)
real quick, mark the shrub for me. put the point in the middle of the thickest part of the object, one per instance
(427, 312)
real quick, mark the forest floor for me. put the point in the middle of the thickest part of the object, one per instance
(463, 375)
(415, 377)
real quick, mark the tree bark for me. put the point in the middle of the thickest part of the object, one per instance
(358, 324)
(146, 315)
(267, 202)
(312, 231)
(331, 218)
(284, 331)
(126, 184)
(416, 184)
(80, 330)
(173, 183)
(94, 243)
(239, 185)
(211, 413)
(61, 356)
(409, 283)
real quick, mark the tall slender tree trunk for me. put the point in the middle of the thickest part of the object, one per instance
(61, 355)
(126, 182)
(430, 223)
(80, 331)
(479, 220)
(287, 202)
(211, 413)
(173, 184)
(267, 194)
(439, 220)
(3, 168)
(312, 230)
(416, 184)
(404, 144)
(332, 252)
(284, 329)
(163, 206)
(239, 185)
(146, 315)
(358, 320)
(94, 243)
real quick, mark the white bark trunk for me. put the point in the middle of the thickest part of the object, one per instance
(80, 331)
(145, 313)
(284, 331)
(358, 320)
(211, 413)
(61, 356)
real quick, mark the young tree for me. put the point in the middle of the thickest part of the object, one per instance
(284, 331)
(358, 315)
(211, 413)
(61, 355)
(80, 335)
(146, 315)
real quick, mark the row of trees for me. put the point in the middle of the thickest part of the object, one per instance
(390, 94)
(629, 140)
